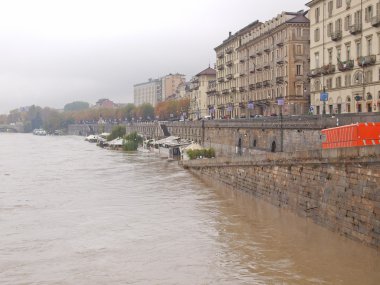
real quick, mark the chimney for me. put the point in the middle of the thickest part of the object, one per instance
(229, 34)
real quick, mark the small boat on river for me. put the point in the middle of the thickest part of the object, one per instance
(39, 132)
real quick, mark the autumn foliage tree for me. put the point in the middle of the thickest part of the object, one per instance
(172, 109)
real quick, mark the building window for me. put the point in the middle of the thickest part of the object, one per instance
(358, 77)
(368, 14)
(329, 83)
(299, 69)
(299, 90)
(347, 80)
(347, 22)
(316, 59)
(348, 51)
(316, 35)
(338, 53)
(330, 54)
(348, 105)
(318, 110)
(358, 18)
(298, 49)
(368, 76)
(338, 82)
(330, 8)
(317, 12)
(339, 108)
(330, 109)
(329, 29)
(358, 48)
(369, 46)
(338, 3)
(338, 25)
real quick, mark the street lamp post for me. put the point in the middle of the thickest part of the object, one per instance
(280, 102)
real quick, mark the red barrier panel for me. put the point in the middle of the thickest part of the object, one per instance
(361, 134)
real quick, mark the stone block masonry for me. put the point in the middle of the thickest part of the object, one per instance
(338, 189)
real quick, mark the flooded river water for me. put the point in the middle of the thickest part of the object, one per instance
(73, 213)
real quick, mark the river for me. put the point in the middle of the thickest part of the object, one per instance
(73, 213)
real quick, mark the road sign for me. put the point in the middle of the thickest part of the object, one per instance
(311, 109)
(280, 102)
(324, 96)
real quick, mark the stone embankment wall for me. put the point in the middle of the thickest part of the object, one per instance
(88, 129)
(338, 189)
(260, 134)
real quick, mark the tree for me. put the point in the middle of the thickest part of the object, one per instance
(145, 111)
(76, 106)
(117, 132)
(132, 141)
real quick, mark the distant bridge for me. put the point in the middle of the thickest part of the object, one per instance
(12, 128)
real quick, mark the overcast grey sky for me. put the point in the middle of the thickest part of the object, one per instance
(55, 52)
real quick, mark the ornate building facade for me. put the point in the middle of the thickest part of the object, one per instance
(262, 69)
(345, 56)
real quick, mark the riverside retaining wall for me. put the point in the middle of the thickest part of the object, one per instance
(338, 189)
(229, 137)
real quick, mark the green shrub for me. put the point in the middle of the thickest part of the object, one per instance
(198, 153)
(132, 141)
(130, 145)
(117, 132)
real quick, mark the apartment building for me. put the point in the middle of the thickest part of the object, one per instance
(148, 92)
(198, 89)
(157, 90)
(344, 53)
(273, 65)
(170, 84)
(226, 99)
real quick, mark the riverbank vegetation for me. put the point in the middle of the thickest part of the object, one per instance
(132, 141)
(201, 153)
(35, 117)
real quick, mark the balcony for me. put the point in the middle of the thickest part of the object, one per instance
(225, 91)
(375, 21)
(280, 60)
(259, 52)
(266, 83)
(229, 50)
(345, 65)
(229, 76)
(267, 49)
(220, 67)
(315, 72)
(366, 60)
(280, 79)
(242, 60)
(220, 106)
(221, 79)
(328, 69)
(355, 29)
(242, 105)
(220, 55)
(252, 56)
(242, 74)
(252, 86)
(259, 85)
(233, 89)
(242, 89)
(229, 63)
(280, 43)
(259, 67)
(336, 36)
(266, 65)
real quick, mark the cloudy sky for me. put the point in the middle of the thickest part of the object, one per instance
(53, 52)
